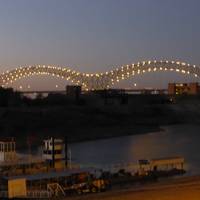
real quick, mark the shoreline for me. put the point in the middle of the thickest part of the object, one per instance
(88, 138)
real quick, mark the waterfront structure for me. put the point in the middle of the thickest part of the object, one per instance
(167, 163)
(98, 81)
(161, 164)
(41, 180)
(183, 88)
(54, 152)
(7, 150)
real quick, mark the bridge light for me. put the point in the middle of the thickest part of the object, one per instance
(194, 66)
(183, 64)
(183, 71)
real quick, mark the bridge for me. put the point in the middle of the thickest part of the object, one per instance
(98, 81)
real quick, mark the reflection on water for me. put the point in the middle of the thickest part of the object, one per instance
(181, 140)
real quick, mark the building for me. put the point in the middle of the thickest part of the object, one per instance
(7, 150)
(44, 185)
(54, 152)
(73, 91)
(183, 88)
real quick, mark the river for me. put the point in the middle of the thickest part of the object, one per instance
(177, 140)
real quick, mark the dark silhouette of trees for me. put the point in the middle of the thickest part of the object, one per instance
(9, 97)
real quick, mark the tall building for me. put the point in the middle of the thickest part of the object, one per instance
(73, 90)
(183, 88)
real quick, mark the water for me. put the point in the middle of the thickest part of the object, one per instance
(179, 140)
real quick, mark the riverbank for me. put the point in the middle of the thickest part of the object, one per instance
(95, 120)
(187, 188)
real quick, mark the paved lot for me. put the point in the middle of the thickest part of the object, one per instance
(181, 189)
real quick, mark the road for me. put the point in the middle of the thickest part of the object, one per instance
(176, 189)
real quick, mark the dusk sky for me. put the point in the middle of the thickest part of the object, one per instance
(98, 35)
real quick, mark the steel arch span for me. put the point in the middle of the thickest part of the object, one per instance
(99, 80)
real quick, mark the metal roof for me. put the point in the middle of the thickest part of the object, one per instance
(52, 174)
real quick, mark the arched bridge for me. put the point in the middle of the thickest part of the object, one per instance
(99, 80)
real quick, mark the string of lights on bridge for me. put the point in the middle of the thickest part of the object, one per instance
(91, 81)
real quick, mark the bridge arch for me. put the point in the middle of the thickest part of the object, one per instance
(100, 80)
(27, 71)
(125, 72)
